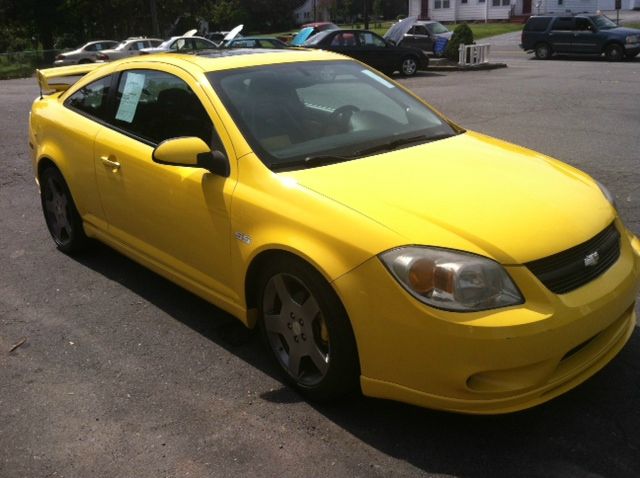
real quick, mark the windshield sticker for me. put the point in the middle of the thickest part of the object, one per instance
(379, 79)
(130, 97)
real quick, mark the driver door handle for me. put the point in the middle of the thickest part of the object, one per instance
(112, 163)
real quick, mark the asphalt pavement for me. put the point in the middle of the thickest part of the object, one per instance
(123, 374)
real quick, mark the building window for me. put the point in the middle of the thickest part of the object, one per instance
(560, 2)
(480, 1)
(495, 3)
(506, 3)
(441, 4)
(463, 1)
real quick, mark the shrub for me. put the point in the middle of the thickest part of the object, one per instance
(461, 35)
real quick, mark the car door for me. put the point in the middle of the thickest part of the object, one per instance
(418, 37)
(586, 38)
(377, 52)
(175, 218)
(561, 34)
(84, 113)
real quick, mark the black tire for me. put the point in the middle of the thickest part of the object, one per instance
(84, 61)
(543, 51)
(409, 66)
(614, 52)
(306, 330)
(60, 212)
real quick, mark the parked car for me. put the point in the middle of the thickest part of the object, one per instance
(221, 38)
(581, 34)
(371, 49)
(85, 54)
(310, 29)
(374, 242)
(181, 44)
(256, 42)
(128, 47)
(423, 35)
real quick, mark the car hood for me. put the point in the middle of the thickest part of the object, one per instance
(302, 36)
(470, 192)
(625, 31)
(398, 30)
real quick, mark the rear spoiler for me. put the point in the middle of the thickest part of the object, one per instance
(64, 76)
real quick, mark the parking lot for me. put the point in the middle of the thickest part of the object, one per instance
(125, 374)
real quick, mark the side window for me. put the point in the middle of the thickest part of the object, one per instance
(91, 99)
(369, 39)
(201, 45)
(583, 24)
(537, 24)
(343, 39)
(420, 30)
(564, 23)
(155, 106)
(92, 47)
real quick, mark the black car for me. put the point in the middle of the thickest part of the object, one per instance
(371, 49)
(580, 34)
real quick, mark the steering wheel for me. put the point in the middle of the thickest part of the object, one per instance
(338, 120)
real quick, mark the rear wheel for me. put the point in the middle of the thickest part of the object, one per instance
(614, 52)
(409, 66)
(307, 330)
(60, 213)
(543, 51)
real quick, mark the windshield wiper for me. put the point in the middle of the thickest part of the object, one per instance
(396, 143)
(323, 159)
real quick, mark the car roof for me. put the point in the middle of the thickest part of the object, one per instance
(218, 60)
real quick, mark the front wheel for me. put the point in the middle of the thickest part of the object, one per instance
(409, 66)
(60, 213)
(307, 330)
(614, 52)
(543, 51)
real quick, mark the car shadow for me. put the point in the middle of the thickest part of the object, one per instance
(591, 431)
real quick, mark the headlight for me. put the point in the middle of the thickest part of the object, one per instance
(632, 39)
(452, 280)
(610, 197)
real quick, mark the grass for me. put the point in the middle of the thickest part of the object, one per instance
(484, 30)
(631, 25)
(15, 70)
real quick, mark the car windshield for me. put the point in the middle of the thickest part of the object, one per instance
(304, 114)
(437, 28)
(603, 23)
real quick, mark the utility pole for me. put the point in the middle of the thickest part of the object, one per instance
(314, 11)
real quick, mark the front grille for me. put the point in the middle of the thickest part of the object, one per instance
(575, 267)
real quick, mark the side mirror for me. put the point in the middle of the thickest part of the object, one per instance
(191, 152)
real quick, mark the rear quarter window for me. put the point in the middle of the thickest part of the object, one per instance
(538, 24)
(91, 99)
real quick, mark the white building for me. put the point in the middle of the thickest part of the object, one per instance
(311, 11)
(487, 10)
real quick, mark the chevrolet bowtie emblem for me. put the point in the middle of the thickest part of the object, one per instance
(592, 259)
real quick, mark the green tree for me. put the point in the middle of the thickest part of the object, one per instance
(461, 35)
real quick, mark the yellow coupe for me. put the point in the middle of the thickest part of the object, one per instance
(375, 243)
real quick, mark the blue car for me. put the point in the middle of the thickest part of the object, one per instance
(579, 34)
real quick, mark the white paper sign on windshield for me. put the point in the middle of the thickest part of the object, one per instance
(130, 97)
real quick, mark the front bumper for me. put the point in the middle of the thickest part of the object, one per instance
(492, 361)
